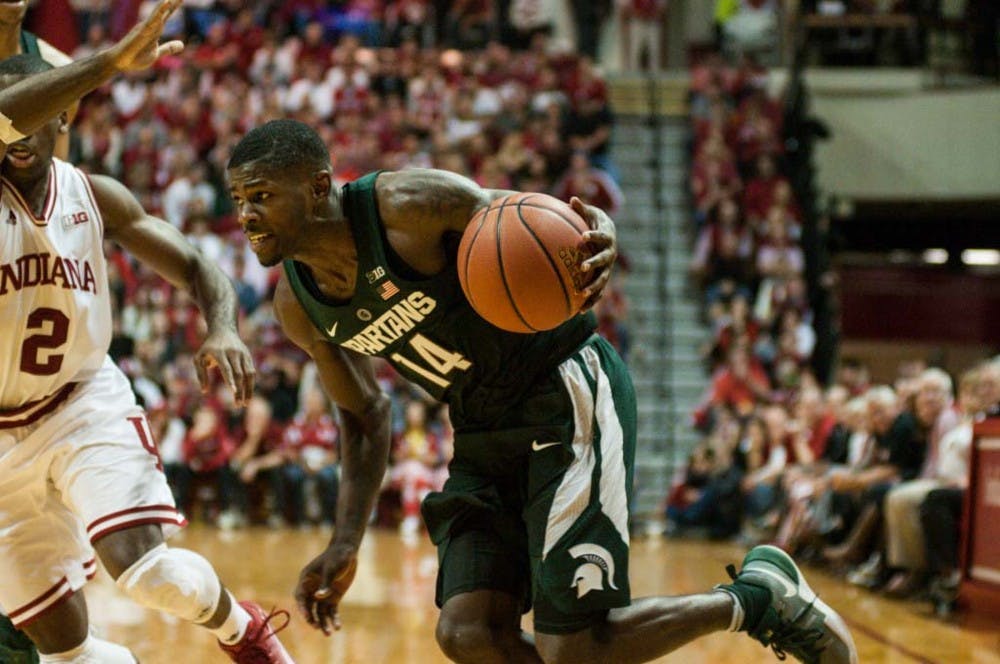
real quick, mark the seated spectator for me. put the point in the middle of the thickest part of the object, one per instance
(901, 446)
(416, 455)
(723, 250)
(256, 462)
(717, 503)
(206, 451)
(778, 256)
(311, 447)
(764, 446)
(904, 538)
(758, 197)
(590, 184)
(738, 385)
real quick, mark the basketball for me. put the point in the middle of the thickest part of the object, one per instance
(519, 263)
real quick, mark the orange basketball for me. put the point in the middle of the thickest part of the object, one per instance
(519, 263)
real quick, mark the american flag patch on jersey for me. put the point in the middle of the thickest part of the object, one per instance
(387, 289)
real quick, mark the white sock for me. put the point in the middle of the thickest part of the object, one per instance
(91, 651)
(235, 625)
(738, 614)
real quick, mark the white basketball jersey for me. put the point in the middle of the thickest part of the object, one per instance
(55, 310)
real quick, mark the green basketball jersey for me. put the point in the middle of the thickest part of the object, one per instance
(426, 328)
(29, 43)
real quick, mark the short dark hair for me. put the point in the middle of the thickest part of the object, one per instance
(283, 145)
(23, 64)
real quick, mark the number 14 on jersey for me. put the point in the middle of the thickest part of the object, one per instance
(439, 361)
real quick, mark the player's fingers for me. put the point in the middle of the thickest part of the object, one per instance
(600, 259)
(238, 367)
(249, 374)
(593, 291)
(303, 601)
(201, 368)
(226, 369)
(166, 8)
(599, 238)
(172, 47)
(323, 617)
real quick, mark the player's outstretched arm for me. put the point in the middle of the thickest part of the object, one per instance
(29, 104)
(349, 380)
(162, 247)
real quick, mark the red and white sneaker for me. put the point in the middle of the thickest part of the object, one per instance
(260, 644)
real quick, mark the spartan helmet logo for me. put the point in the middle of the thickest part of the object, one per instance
(590, 575)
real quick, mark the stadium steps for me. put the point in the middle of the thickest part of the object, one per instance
(664, 320)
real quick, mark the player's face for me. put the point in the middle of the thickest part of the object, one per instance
(269, 208)
(28, 160)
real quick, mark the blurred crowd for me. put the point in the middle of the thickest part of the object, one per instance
(864, 478)
(520, 117)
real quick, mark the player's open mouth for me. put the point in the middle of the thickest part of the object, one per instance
(19, 155)
(257, 239)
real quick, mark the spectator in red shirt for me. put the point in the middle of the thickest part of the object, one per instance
(739, 385)
(257, 458)
(311, 447)
(206, 451)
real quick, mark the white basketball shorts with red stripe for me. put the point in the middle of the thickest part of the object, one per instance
(84, 469)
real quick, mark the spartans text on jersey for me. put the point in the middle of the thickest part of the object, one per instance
(392, 325)
(47, 270)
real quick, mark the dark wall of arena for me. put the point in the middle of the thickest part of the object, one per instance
(919, 304)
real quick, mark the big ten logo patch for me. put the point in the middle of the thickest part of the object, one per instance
(75, 218)
(572, 258)
(374, 275)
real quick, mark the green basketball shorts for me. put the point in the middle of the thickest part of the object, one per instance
(539, 507)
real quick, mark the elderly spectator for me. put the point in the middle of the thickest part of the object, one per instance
(904, 538)
(901, 447)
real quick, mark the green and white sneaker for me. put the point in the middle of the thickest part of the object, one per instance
(15, 646)
(796, 622)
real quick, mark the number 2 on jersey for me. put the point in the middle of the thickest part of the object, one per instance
(57, 334)
(440, 360)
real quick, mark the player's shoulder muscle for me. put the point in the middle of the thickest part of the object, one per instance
(428, 197)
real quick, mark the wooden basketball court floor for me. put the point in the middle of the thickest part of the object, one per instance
(389, 614)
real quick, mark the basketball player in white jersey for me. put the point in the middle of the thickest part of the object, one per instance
(78, 469)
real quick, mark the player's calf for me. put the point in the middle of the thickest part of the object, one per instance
(90, 651)
(184, 584)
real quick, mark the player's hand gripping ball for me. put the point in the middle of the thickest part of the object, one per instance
(520, 263)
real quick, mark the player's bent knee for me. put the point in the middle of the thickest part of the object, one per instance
(177, 581)
(463, 640)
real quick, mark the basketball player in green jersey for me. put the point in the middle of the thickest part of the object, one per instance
(535, 510)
